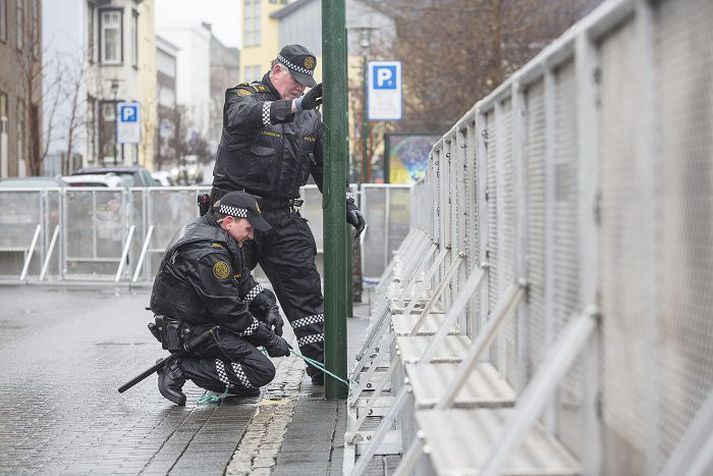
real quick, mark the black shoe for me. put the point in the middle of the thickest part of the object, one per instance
(244, 392)
(170, 382)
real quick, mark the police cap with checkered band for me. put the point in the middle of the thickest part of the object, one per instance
(300, 62)
(242, 205)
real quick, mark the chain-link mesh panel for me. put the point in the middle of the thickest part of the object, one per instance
(22, 211)
(374, 247)
(399, 211)
(627, 362)
(506, 234)
(493, 194)
(566, 250)
(535, 103)
(684, 63)
(95, 231)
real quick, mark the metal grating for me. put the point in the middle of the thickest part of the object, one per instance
(566, 260)
(684, 245)
(375, 239)
(507, 235)
(535, 102)
(490, 146)
(623, 264)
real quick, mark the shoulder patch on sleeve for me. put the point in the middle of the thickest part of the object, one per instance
(244, 92)
(221, 270)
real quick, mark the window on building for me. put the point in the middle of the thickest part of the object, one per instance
(91, 126)
(135, 38)
(20, 23)
(35, 28)
(91, 12)
(4, 162)
(3, 113)
(21, 124)
(252, 23)
(107, 131)
(110, 36)
(251, 73)
(3, 21)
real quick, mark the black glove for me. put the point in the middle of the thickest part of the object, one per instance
(277, 347)
(355, 217)
(264, 308)
(310, 100)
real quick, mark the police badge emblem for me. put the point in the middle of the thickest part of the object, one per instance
(309, 62)
(221, 270)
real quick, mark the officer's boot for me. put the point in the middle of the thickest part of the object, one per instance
(170, 382)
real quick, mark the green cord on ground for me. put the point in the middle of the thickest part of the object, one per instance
(318, 365)
(209, 399)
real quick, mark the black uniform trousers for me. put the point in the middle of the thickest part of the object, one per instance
(229, 362)
(287, 255)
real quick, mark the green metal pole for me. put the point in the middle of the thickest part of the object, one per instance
(334, 52)
(364, 122)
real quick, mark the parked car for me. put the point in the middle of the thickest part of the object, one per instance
(32, 182)
(94, 180)
(133, 176)
(163, 178)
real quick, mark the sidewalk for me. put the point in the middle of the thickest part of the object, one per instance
(65, 351)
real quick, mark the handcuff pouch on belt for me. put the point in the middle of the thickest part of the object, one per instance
(170, 332)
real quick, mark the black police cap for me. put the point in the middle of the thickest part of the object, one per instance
(300, 62)
(242, 205)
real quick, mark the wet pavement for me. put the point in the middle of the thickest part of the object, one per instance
(64, 352)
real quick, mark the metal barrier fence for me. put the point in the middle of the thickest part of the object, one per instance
(119, 235)
(587, 178)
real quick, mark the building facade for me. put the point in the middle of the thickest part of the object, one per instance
(20, 87)
(166, 73)
(101, 52)
(260, 37)
(224, 73)
(193, 73)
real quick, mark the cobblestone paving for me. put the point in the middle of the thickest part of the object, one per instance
(64, 353)
(257, 453)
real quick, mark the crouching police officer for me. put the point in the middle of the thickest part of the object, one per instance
(202, 282)
(271, 143)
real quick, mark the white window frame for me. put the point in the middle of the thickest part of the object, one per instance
(104, 15)
(3, 21)
(20, 24)
(91, 30)
(135, 39)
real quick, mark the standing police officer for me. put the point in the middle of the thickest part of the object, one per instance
(203, 282)
(271, 143)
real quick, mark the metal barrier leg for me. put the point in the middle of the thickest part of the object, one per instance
(410, 458)
(50, 250)
(125, 253)
(381, 431)
(145, 247)
(30, 252)
(510, 300)
(571, 341)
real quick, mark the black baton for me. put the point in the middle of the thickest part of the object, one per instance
(187, 347)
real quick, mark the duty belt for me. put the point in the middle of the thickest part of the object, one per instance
(265, 203)
(269, 204)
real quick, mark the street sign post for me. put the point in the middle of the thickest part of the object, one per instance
(384, 94)
(128, 123)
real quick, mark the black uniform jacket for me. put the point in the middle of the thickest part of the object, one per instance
(202, 280)
(264, 148)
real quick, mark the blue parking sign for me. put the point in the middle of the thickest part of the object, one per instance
(128, 122)
(384, 91)
(384, 77)
(129, 112)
